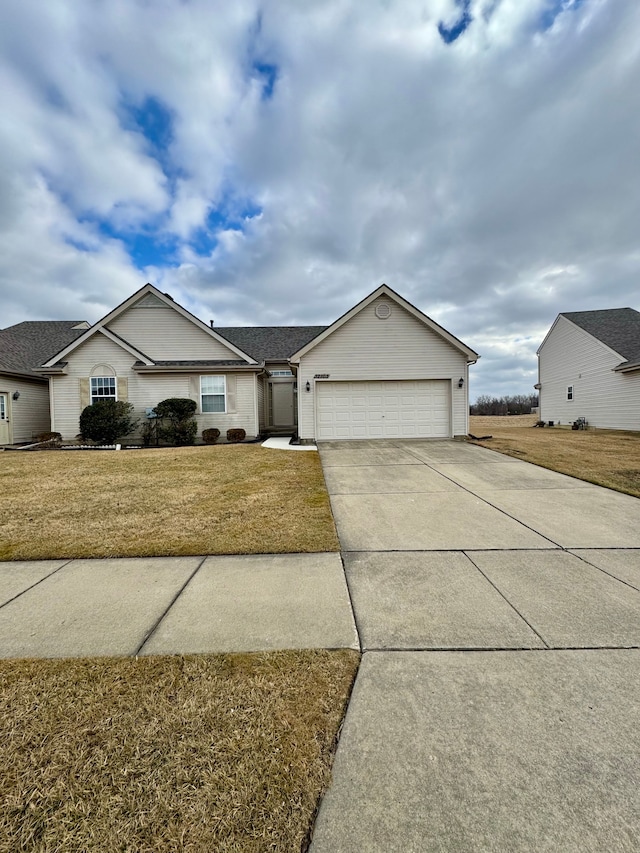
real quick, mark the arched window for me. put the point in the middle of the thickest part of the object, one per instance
(103, 383)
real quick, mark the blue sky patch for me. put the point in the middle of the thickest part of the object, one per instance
(222, 218)
(146, 247)
(450, 34)
(154, 121)
(555, 8)
(268, 74)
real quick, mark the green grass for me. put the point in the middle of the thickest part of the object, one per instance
(228, 499)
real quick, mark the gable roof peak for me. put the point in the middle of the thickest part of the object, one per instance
(470, 354)
(169, 301)
(616, 328)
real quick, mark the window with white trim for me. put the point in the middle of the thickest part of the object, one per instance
(213, 394)
(569, 392)
(103, 388)
(281, 373)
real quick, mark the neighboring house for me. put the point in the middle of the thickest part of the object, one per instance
(589, 367)
(382, 370)
(24, 393)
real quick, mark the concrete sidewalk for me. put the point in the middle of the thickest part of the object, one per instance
(498, 608)
(174, 605)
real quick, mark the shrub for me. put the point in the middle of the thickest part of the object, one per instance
(235, 435)
(53, 437)
(149, 432)
(107, 420)
(178, 424)
(211, 435)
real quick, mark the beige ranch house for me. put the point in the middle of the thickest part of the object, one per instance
(382, 370)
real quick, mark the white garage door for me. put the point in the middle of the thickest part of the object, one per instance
(385, 409)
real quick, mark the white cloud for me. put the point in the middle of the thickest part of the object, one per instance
(491, 181)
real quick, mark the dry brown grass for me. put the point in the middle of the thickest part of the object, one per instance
(608, 458)
(231, 499)
(210, 753)
(484, 424)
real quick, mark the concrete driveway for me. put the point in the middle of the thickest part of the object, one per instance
(498, 609)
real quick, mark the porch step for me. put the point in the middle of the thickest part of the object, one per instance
(280, 431)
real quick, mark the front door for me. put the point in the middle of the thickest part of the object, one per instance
(282, 402)
(4, 418)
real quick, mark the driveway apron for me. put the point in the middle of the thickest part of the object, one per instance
(498, 610)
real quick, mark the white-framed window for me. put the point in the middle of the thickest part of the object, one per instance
(281, 372)
(213, 394)
(103, 388)
(569, 392)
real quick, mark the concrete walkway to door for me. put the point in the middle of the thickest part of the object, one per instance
(498, 609)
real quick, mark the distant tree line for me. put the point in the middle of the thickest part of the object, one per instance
(519, 404)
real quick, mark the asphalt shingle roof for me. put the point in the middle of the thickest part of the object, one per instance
(618, 328)
(28, 345)
(270, 343)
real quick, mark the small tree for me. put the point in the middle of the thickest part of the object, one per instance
(178, 426)
(107, 420)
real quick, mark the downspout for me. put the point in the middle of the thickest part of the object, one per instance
(52, 420)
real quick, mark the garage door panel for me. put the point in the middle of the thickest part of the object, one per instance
(380, 409)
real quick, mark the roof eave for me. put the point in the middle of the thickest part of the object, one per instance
(627, 367)
(195, 368)
(18, 374)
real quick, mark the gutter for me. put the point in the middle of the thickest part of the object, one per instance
(15, 374)
(199, 368)
(627, 367)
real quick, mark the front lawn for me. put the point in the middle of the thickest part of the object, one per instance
(227, 499)
(608, 458)
(209, 753)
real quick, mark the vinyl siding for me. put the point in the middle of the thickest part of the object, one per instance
(162, 333)
(570, 356)
(244, 416)
(143, 390)
(29, 414)
(400, 347)
(65, 390)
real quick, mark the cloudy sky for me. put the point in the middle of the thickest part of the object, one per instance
(271, 163)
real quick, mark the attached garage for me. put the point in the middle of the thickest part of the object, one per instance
(383, 409)
(383, 370)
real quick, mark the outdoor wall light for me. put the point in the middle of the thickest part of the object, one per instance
(308, 387)
(460, 382)
(15, 395)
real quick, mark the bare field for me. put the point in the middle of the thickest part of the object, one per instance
(484, 424)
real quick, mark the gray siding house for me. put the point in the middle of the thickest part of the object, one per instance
(24, 393)
(589, 367)
(382, 370)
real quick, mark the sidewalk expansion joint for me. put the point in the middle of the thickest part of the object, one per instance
(156, 624)
(46, 577)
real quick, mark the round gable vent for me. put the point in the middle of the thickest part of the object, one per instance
(383, 310)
